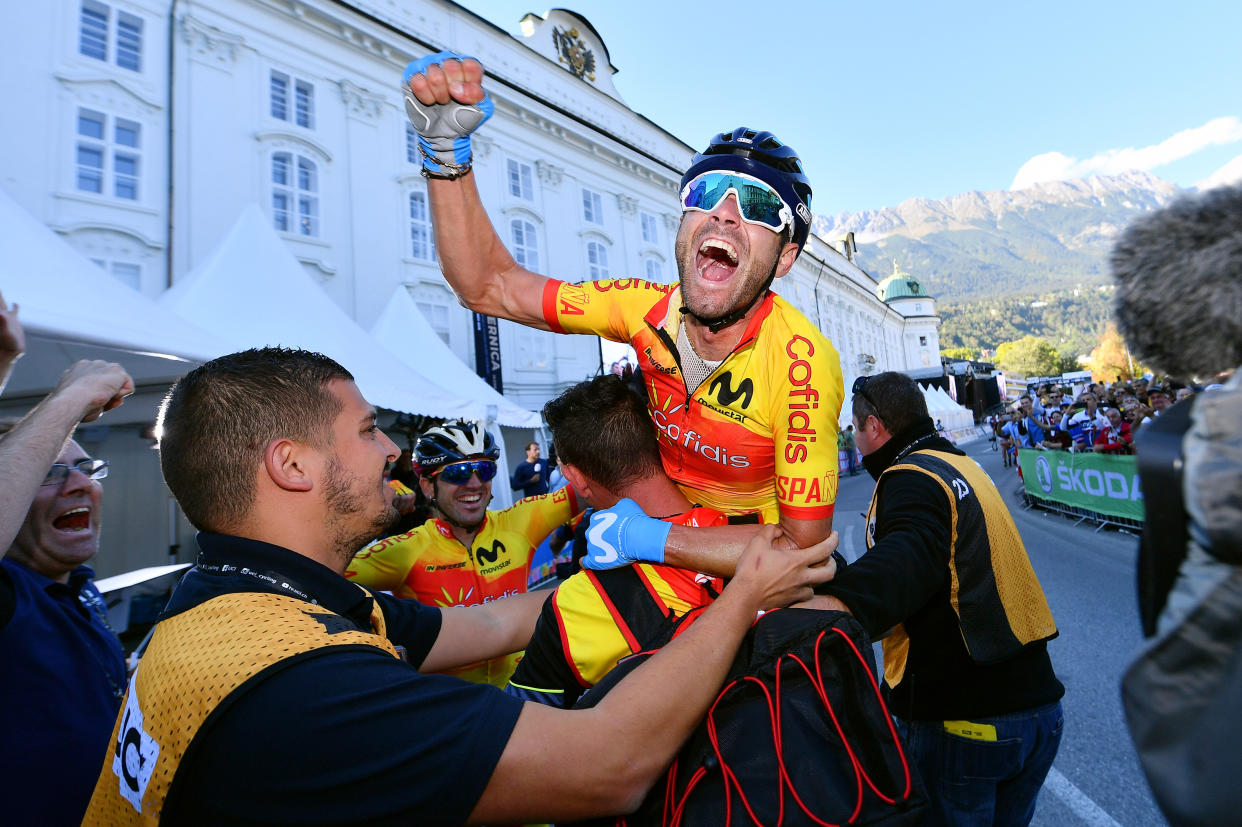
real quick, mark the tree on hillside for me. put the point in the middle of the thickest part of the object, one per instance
(1111, 361)
(1029, 356)
(968, 353)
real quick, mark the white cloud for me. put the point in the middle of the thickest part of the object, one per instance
(1054, 166)
(1230, 173)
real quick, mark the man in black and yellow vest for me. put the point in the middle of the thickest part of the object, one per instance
(947, 578)
(275, 691)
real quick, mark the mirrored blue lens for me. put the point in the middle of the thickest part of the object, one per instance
(757, 202)
(459, 473)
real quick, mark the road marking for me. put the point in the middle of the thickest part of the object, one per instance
(847, 545)
(1077, 800)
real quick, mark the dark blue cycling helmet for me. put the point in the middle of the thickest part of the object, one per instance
(762, 155)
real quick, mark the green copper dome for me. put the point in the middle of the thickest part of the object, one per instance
(900, 285)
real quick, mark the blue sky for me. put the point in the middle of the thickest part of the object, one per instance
(886, 101)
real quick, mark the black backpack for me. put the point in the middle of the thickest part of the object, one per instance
(835, 757)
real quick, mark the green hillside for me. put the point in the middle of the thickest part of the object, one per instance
(1072, 320)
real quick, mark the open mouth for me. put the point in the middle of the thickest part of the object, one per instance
(75, 519)
(716, 260)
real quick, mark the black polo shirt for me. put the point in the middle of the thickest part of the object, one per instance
(353, 737)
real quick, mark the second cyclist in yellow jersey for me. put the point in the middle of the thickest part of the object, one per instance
(464, 554)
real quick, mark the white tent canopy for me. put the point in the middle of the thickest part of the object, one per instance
(940, 406)
(402, 329)
(253, 293)
(70, 309)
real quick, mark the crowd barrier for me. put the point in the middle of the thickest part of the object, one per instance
(1103, 488)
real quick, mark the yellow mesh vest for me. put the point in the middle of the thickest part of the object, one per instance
(992, 587)
(195, 660)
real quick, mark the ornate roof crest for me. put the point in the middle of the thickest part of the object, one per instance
(572, 52)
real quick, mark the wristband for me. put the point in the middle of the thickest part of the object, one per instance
(622, 535)
(443, 128)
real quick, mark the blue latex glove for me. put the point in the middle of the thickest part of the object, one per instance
(622, 535)
(443, 128)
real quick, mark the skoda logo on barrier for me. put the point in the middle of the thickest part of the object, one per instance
(1044, 474)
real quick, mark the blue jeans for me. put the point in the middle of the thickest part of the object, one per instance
(973, 782)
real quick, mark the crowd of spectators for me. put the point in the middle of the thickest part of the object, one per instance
(1103, 418)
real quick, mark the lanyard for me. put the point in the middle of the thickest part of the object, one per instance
(269, 578)
(94, 604)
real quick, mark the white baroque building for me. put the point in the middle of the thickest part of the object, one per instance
(139, 131)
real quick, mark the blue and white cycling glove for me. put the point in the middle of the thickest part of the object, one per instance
(622, 535)
(443, 128)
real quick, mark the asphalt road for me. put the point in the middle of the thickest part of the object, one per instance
(1088, 577)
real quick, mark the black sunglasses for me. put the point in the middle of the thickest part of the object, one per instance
(859, 389)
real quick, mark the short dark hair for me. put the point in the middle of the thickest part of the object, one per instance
(218, 419)
(893, 398)
(531, 444)
(601, 427)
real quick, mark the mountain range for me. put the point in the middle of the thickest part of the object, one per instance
(1048, 237)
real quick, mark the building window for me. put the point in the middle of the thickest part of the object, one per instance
(126, 272)
(922, 341)
(521, 181)
(597, 261)
(97, 25)
(525, 244)
(295, 194)
(592, 209)
(108, 148)
(93, 31)
(651, 232)
(129, 42)
(422, 241)
(437, 316)
(303, 110)
(654, 271)
(918, 307)
(304, 104)
(411, 146)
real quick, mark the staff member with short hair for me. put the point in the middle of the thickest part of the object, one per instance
(947, 579)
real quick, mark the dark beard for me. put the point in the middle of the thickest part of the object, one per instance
(735, 313)
(343, 504)
(440, 512)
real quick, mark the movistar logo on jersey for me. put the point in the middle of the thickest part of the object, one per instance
(722, 386)
(488, 557)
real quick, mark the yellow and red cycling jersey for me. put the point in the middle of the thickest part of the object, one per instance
(430, 565)
(759, 435)
(582, 634)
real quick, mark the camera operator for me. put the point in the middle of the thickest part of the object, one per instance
(1179, 307)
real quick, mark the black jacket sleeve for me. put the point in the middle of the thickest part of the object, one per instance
(909, 562)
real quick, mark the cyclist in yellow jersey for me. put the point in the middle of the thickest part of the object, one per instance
(464, 555)
(745, 390)
(608, 450)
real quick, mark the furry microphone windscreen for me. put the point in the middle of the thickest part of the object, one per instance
(1179, 285)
